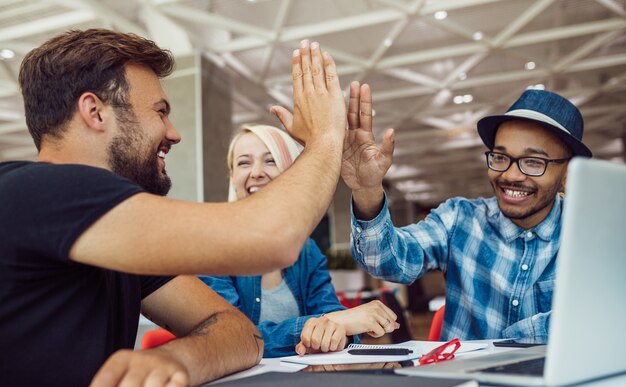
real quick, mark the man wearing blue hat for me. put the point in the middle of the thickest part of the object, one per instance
(498, 254)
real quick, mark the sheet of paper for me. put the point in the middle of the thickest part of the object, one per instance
(419, 348)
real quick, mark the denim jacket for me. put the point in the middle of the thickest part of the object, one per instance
(308, 280)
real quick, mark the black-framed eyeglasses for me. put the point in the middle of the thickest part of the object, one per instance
(529, 166)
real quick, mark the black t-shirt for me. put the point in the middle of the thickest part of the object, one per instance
(60, 320)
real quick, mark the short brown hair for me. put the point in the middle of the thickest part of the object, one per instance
(54, 75)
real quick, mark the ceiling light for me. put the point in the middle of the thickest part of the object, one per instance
(530, 65)
(459, 99)
(477, 35)
(6, 54)
(388, 42)
(440, 15)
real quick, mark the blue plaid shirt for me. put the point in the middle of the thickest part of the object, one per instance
(499, 277)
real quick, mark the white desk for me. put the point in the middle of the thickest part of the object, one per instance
(275, 365)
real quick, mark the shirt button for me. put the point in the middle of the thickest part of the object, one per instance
(529, 234)
(358, 229)
(534, 318)
(524, 267)
(515, 303)
(257, 299)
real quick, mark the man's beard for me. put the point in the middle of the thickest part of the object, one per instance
(546, 199)
(125, 159)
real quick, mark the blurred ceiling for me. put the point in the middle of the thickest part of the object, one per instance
(435, 66)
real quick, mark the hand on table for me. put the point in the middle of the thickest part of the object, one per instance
(373, 318)
(141, 368)
(320, 334)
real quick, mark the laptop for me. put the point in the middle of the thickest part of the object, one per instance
(587, 333)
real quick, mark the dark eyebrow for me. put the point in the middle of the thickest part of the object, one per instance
(527, 151)
(537, 151)
(165, 102)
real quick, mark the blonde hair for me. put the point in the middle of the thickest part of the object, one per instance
(284, 149)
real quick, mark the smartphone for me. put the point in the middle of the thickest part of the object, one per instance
(513, 343)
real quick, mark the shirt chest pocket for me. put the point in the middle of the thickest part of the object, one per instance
(543, 294)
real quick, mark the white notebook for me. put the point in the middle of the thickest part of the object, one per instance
(418, 349)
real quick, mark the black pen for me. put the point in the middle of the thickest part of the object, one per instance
(381, 351)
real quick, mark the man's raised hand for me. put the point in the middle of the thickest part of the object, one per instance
(319, 109)
(365, 163)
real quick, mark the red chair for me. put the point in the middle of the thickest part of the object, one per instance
(435, 325)
(155, 338)
(347, 302)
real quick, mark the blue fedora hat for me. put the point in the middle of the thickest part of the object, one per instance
(548, 109)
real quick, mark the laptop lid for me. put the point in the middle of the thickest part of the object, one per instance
(587, 339)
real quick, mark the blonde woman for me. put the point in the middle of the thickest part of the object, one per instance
(295, 309)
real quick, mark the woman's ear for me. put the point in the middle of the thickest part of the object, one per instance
(91, 110)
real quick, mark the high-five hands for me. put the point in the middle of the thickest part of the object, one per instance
(365, 163)
(319, 108)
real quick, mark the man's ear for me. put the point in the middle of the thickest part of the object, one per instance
(92, 111)
(563, 182)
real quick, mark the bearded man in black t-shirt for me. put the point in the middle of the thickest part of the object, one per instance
(87, 240)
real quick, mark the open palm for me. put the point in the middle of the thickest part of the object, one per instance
(365, 163)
